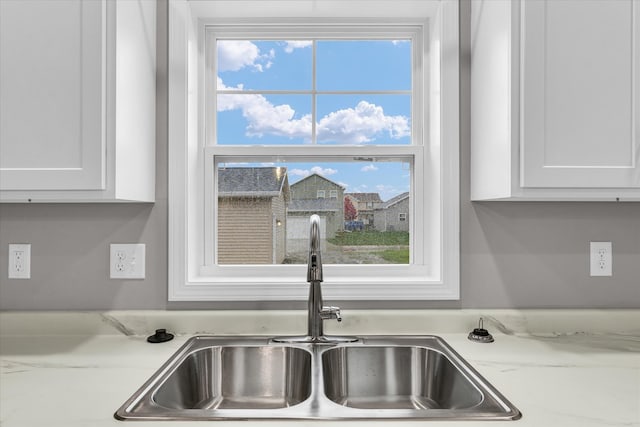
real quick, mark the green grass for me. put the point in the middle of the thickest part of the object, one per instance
(395, 256)
(375, 238)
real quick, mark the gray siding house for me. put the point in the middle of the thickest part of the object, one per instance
(365, 204)
(252, 215)
(393, 215)
(315, 194)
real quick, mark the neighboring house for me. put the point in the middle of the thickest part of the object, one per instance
(252, 215)
(365, 203)
(315, 194)
(393, 215)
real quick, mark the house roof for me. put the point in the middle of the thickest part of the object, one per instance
(394, 200)
(253, 181)
(366, 197)
(314, 205)
(319, 176)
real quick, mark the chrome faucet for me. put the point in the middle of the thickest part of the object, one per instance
(316, 311)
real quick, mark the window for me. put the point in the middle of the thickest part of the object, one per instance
(402, 217)
(272, 107)
(325, 102)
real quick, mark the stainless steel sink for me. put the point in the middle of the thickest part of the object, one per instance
(218, 378)
(417, 378)
(232, 377)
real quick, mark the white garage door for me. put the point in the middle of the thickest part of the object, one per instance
(298, 227)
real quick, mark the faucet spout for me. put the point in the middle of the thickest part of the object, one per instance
(316, 311)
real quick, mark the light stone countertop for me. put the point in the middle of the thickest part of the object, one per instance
(561, 368)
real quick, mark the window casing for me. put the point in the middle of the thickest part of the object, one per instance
(433, 273)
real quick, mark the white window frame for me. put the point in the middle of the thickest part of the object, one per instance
(333, 194)
(434, 274)
(320, 194)
(402, 216)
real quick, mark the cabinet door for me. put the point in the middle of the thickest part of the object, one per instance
(51, 95)
(580, 110)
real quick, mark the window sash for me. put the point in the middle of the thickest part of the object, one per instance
(313, 152)
(352, 31)
(413, 155)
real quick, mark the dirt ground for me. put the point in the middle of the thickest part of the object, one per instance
(298, 253)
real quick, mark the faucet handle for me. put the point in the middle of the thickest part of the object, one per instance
(331, 313)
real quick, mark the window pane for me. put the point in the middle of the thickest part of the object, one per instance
(364, 119)
(264, 65)
(264, 210)
(246, 119)
(364, 65)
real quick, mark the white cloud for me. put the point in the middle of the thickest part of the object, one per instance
(323, 171)
(291, 45)
(221, 86)
(234, 55)
(266, 118)
(316, 169)
(369, 168)
(263, 117)
(356, 125)
(299, 172)
(361, 124)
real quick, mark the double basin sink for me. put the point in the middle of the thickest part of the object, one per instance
(225, 378)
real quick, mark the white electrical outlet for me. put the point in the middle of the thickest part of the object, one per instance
(127, 261)
(20, 261)
(601, 259)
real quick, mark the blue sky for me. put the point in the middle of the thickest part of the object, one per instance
(345, 119)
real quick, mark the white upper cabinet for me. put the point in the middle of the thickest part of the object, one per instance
(77, 100)
(555, 100)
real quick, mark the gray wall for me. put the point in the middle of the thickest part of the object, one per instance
(514, 255)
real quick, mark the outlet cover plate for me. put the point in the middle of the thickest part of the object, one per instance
(127, 261)
(20, 261)
(601, 257)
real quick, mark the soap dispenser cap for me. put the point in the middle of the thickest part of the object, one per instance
(161, 335)
(480, 334)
